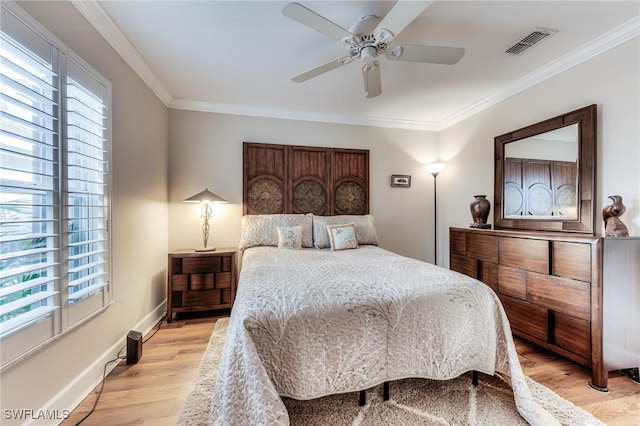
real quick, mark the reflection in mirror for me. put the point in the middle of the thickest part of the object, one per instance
(540, 176)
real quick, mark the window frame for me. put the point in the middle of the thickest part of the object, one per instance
(26, 339)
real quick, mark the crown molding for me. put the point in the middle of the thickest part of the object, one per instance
(102, 22)
(613, 38)
(219, 108)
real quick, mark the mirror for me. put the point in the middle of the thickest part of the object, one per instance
(545, 175)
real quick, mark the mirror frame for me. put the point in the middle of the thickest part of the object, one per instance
(586, 118)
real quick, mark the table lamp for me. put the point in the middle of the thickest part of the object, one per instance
(205, 198)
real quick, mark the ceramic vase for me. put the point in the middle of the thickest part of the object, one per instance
(480, 208)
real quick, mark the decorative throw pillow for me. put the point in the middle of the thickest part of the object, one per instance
(290, 237)
(365, 227)
(342, 237)
(262, 229)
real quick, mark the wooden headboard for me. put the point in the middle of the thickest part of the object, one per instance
(304, 179)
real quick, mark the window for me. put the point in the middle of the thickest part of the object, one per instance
(54, 187)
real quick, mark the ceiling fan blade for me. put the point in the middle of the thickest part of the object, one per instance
(311, 19)
(402, 14)
(371, 78)
(331, 65)
(428, 54)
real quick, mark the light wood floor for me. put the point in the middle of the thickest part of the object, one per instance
(152, 391)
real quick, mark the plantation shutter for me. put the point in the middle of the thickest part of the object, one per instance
(29, 182)
(86, 214)
(54, 187)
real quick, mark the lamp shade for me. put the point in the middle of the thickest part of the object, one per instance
(205, 195)
(434, 168)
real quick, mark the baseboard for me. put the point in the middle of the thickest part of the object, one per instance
(82, 385)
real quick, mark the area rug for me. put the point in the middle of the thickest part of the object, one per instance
(412, 402)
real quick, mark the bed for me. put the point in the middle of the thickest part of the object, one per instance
(320, 312)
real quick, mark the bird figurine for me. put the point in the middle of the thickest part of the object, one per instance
(613, 226)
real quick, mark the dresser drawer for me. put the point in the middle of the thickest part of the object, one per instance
(203, 298)
(563, 295)
(571, 333)
(526, 318)
(489, 275)
(457, 243)
(201, 265)
(482, 247)
(464, 265)
(522, 253)
(571, 260)
(512, 282)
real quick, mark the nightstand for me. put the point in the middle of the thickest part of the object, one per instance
(201, 281)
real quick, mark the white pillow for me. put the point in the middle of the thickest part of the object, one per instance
(290, 237)
(342, 237)
(262, 229)
(364, 225)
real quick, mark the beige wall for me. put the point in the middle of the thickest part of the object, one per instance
(610, 80)
(56, 376)
(206, 151)
(162, 155)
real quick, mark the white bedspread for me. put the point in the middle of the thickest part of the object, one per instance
(309, 323)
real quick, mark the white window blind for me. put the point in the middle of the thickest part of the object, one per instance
(54, 189)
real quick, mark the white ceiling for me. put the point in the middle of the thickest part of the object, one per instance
(239, 56)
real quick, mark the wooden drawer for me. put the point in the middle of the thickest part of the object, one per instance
(563, 295)
(225, 296)
(512, 282)
(223, 280)
(180, 282)
(489, 275)
(176, 265)
(201, 265)
(204, 298)
(201, 282)
(227, 264)
(457, 243)
(571, 260)
(464, 265)
(571, 333)
(482, 247)
(522, 253)
(176, 299)
(526, 318)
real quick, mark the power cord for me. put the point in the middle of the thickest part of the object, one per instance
(104, 370)
(156, 330)
(104, 376)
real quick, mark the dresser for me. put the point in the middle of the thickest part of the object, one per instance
(200, 281)
(575, 295)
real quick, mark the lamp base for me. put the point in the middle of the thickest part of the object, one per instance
(204, 249)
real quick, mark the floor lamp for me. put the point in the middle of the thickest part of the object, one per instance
(435, 169)
(205, 198)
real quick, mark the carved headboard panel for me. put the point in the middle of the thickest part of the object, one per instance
(304, 179)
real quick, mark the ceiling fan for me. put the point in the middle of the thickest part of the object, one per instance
(370, 37)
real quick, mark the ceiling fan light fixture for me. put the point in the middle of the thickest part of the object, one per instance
(368, 55)
(369, 38)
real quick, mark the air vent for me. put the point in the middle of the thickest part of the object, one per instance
(529, 40)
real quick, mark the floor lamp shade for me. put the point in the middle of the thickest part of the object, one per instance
(434, 168)
(205, 198)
